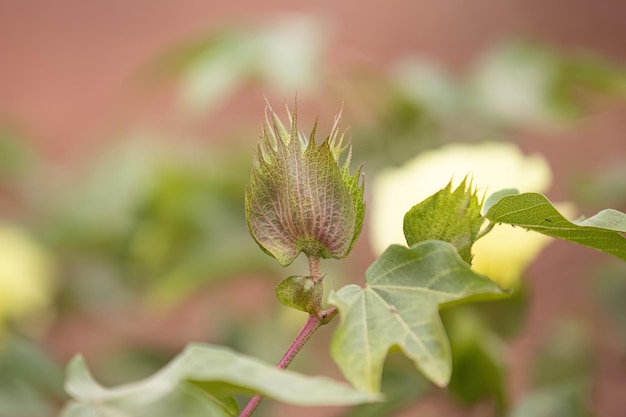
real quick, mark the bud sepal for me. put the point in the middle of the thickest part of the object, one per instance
(302, 293)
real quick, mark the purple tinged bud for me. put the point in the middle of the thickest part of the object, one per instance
(299, 198)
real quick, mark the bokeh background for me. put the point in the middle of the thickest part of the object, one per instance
(126, 135)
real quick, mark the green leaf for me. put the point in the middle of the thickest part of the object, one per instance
(610, 292)
(282, 54)
(495, 197)
(201, 381)
(15, 154)
(534, 211)
(570, 399)
(451, 216)
(476, 350)
(565, 355)
(401, 386)
(30, 381)
(301, 293)
(399, 307)
(561, 378)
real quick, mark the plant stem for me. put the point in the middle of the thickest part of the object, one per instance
(314, 268)
(311, 325)
(486, 230)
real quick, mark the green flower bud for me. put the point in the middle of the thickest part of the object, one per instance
(299, 198)
(302, 293)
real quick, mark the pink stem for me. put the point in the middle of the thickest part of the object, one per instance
(311, 325)
(314, 268)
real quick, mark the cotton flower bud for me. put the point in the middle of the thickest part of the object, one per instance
(299, 198)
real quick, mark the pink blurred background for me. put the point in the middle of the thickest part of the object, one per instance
(66, 65)
(68, 70)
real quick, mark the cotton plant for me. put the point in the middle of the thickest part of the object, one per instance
(305, 198)
(505, 252)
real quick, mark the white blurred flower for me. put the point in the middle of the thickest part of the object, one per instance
(502, 254)
(25, 275)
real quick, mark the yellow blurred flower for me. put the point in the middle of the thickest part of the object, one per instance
(505, 252)
(25, 275)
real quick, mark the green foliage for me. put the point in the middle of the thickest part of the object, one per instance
(399, 308)
(451, 216)
(605, 188)
(540, 83)
(569, 400)
(610, 290)
(15, 156)
(30, 380)
(202, 379)
(476, 350)
(147, 224)
(535, 212)
(401, 386)
(282, 53)
(173, 224)
(562, 375)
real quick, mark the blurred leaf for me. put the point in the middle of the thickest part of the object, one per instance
(451, 216)
(562, 375)
(570, 399)
(284, 53)
(107, 192)
(528, 83)
(201, 379)
(291, 52)
(15, 155)
(506, 317)
(565, 355)
(216, 72)
(191, 229)
(562, 372)
(534, 211)
(511, 84)
(174, 221)
(30, 380)
(130, 363)
(428, 86)
(397, 129)
(476, 350)
(610, 289)
(587, 72)
(401, 387)
(399, 307)
(608, 188)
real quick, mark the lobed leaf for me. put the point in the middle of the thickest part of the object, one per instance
(399, 307)
(201, 381)
(533, 211)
